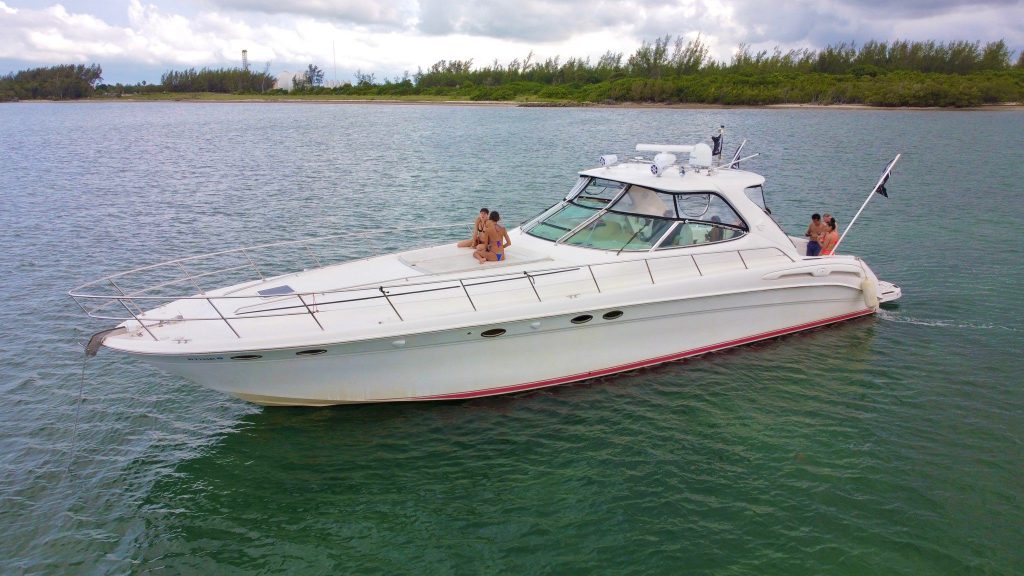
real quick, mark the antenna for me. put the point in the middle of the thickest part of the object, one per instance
(245, 60)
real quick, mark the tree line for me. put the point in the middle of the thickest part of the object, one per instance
(665, 70)
(224, 80)
(63, 82)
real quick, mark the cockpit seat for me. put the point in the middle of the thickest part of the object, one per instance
(608, 231)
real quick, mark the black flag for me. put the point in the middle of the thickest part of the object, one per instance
(717, 151)
(881, 185)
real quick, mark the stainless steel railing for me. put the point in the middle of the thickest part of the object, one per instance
(137, 301)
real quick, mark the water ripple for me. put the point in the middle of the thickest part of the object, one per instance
(883, 445)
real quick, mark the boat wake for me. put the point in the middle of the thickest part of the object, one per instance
(892, 316)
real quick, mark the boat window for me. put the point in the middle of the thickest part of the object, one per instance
(640, 200)
(756, 195)
(691, 233)
(615, 231)
(598, 192)
(561, 222)
(709, 208)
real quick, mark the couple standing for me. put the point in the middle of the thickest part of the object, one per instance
(823, 235)
(489, 237)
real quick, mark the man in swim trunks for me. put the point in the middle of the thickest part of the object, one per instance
(497, 240)
(815, 231)
(478, 231)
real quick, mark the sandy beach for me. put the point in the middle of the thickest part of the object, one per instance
(237, 99)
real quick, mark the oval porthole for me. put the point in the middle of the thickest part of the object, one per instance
(493, 332)
(582, 319)
(612, 315)
(247, 357)
(313, 352)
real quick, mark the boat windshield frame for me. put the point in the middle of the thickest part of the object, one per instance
(578, 224)
(573, 200)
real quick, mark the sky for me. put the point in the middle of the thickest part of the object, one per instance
(135, 40)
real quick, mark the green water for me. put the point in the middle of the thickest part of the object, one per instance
(885, 445)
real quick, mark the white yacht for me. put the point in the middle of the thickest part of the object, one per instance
(643, 262)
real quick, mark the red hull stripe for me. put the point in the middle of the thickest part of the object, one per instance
(643, 363)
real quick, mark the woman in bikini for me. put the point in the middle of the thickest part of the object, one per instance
(831, 238)
(478, 231)
(493, 250)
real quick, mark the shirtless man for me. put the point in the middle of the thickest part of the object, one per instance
(493, 250)
(478, 231)
(815, 232)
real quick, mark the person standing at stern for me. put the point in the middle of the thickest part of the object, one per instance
(815, 232)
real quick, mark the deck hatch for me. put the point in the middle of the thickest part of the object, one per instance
(276, 291)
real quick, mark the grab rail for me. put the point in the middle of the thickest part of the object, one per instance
(308, 303)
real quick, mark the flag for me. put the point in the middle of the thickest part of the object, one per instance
(881, 185)
(717, 151)
(736, 157)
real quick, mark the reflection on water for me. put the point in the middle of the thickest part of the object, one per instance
(616, 451)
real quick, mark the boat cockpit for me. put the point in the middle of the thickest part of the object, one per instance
(609, 215)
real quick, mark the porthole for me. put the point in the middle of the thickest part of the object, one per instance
(247, 357)
(582, 319)
(313, 352)
(614, 314)
(493, 332)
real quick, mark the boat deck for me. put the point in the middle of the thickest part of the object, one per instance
(450, 259)
(357, 299)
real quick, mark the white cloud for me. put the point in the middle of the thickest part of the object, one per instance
(352, 11)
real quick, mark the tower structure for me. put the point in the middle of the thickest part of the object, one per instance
(245, 60)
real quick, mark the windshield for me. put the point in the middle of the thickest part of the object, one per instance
(608, 215)
(594, 195)
(640, 200)
(598, 192)
(614, 231)
(561, 222)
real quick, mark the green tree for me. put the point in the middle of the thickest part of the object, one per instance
(314, 76)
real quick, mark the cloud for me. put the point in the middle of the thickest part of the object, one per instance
(54, 34)
(395, 13)
(549, 20)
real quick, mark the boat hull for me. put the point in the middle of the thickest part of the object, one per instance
(532, 353)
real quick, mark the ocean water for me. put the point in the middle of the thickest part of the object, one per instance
(885, 445)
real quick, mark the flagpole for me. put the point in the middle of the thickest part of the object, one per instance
(874, 190)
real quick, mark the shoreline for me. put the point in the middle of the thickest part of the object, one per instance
(235, 99)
